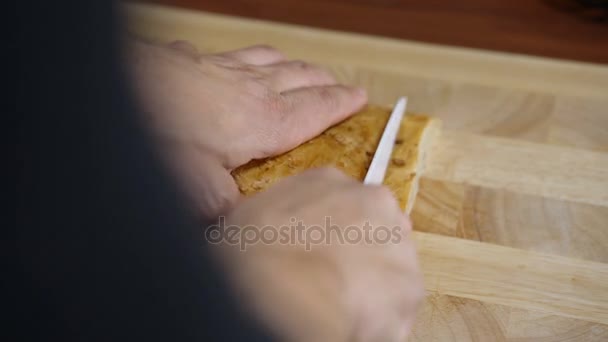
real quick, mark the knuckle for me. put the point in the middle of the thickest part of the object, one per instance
(298, 64)
(327, 98)
(274, 104)
(267, 49)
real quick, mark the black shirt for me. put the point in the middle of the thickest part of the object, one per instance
(105, 247)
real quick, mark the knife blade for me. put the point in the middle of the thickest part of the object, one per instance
(377, 169)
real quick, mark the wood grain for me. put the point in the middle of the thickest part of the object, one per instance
(521, 168)
(536, 169)
(449, 318)
(533, 27)
(438, 207)
(513, 277)
(390, 59)
(498, 110)
(507, 218)
(534, 223)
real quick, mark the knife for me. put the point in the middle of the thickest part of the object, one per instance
(377, 169)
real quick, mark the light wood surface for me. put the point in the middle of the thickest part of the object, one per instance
(537, 169)
(514, 277)
(511, 218)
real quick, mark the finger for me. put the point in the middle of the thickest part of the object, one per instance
(297, 74)
(256, 55)
(185, 47)
(213, 192)
(309, 111)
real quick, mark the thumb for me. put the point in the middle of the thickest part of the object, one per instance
(209, 185)
(215, 191)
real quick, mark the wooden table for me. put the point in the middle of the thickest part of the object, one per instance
(512, 216)
(551, 28)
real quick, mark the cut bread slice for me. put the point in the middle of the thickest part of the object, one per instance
(350, 146)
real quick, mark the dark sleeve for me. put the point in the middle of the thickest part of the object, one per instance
(105, 249)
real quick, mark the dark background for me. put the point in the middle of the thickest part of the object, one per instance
(569, 29)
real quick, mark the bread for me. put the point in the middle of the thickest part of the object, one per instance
(350, 146)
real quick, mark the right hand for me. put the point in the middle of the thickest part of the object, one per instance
(361, 291)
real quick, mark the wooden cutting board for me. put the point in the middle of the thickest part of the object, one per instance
(511, 219)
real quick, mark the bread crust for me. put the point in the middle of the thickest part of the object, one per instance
(350, 146)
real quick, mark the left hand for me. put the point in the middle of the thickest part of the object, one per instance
(216, 112)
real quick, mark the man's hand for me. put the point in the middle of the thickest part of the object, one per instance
(216, 112)
(357, 290)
